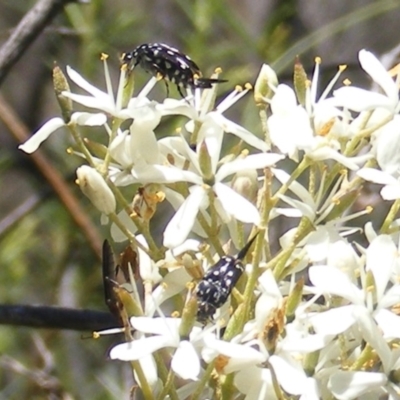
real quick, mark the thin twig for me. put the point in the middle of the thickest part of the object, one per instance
(56, 318)
(31, 25)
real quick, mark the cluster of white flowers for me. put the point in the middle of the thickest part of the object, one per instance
(318, 319)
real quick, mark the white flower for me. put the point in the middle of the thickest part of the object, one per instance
(103, 101)
(288, 371)
(185, 361)
(227, 202)
(201, 114)
(375, 321)
(323, 241)
(137, 148)
(316, 129)
(357, 99)
(238, 356)
(289, 125)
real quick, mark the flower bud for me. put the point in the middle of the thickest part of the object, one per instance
(95, 188)
(60, 84)
(300, 81)
(262, 89)
(205, 163)
(245, 183)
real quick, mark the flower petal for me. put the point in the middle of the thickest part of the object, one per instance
(89, 119)
(389, 323)
(185, 361)
(236, 205)
(182, 222)
(41, 135)
(255, 161)
(289, 374)
(378, 73)
(334, 321)
(376, 176)
(162, 174)
(84, 84)
(239, 131)
(139, 348)
(372, 334)
(157, 326)
(381, 259)
(333, 281)
(357, 99)
(346, 385)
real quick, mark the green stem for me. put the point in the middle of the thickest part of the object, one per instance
(212, 237)
(202, 383)
(394, 209)
(146, 389)
(131, 237)
(167, 387)
(228, 388)
(264, 125)
(116, 123)
(365, 358)
(80, 143)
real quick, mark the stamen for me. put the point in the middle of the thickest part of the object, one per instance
(110, 91)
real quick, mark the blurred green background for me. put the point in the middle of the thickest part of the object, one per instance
(44, 258)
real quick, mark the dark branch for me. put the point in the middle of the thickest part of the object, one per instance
(27, 30)
(56, 318)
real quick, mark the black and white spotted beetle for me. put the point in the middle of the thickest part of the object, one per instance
(214, 289)
(170, 64)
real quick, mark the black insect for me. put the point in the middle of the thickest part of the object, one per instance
(170, 64)
(214, 289)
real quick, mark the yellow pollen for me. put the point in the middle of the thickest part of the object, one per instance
(95, 335)
(124, 67)
(220, 363)
(347, 82)
(369, 209)
(244, 153)
(159, 76)
(238, 88)
(70, 150)
(318, 60)
(325, 129)
(248, 86)
(370, 288)
(160, 196)
(175, 314)
(103, 56)
(77, 181)
(342, 67)
(395, 70)
(218, 70)
(196, 76)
